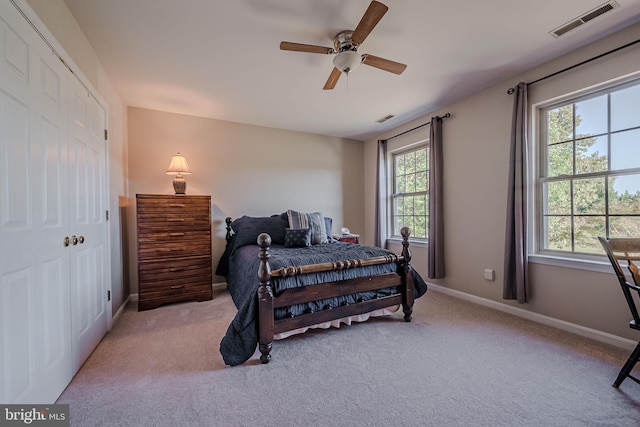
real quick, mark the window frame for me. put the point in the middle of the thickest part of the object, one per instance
(416, 146)
(538, 174)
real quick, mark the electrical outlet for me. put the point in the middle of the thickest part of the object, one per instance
(489, 274)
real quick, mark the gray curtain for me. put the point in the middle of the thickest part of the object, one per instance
(515, 260)
(380, 232)
(436, 216)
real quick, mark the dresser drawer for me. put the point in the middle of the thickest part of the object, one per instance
(164, 221)
(185, 236)
(171, 284)
(174, 205)
(174, 269)
(175, 290)
(151, 250)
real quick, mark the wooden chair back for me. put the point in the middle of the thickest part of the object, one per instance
(625, 252)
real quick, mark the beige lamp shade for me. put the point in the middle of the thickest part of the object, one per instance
(177, 167)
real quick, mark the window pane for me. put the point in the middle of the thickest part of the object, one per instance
(625, 150)
(591, 155)
(421, 181)
(560, 124)
(398, 225)
(421, 160)
(558, 196)
(398, 206)
(560, 159)
(586, 231)
(591, 117)
(411, 183)
(624, 226)
(589, 196)
(400, 169)
(624, 194)
(558, 233)
(421, 205)
(410, 162)
(624, 108)
(408, 206)
(420, 227)
(410, 177)
(401, 184)
(589, 181)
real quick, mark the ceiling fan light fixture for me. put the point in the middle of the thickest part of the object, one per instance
(347, 61)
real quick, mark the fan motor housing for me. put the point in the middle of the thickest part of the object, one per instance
(342, 42)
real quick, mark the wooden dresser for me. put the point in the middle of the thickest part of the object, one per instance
(174, 249)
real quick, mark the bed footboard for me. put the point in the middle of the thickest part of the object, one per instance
(267, 302)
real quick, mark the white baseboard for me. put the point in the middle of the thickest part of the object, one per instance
(536, 317)
(123, 306)
(221, 285)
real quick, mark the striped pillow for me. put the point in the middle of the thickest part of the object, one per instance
(314, 221)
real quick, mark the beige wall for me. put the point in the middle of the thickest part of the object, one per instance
(247, 170)
(476, 150)
(61, 24)
(259, 171)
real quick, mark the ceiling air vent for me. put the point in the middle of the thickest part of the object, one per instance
(385, 118)
(574, 23)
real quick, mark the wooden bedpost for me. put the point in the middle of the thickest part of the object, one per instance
(228, 222)
(265, 300)
(407, 276)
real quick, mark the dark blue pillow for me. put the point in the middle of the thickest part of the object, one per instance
(297, 237)
(248, 228)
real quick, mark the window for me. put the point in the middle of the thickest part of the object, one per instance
(589, 177)
(410, 197)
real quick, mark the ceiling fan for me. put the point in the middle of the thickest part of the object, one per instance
(345, 48)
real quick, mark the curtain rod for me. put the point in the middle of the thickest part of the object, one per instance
(511, 90)
(446, 116)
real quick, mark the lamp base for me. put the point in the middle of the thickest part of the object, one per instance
(179, 185)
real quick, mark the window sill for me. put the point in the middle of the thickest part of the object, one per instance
(412, 243)
(578, 264)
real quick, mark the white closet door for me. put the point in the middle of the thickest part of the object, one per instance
(53, 308)
(35, 320)
(87, 183)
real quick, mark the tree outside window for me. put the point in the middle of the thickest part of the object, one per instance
(411, 192)
(590, 175)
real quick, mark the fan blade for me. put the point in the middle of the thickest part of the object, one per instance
(384, 64)
(333, 79)
(310, 48)
(370, 19)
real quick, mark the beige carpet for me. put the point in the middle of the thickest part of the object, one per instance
(456, 364)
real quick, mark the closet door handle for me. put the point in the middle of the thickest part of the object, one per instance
(66, 241)
(74, 240)
(81, 239)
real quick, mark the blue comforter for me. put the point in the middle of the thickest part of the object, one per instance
(241, 339)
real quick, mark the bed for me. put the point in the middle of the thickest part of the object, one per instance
(286, 274)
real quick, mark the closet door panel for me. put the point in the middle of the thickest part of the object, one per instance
(35, 320)
(87, 186)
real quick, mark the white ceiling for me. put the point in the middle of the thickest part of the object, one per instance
(221, 58)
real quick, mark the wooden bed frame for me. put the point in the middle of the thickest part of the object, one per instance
(268, 302)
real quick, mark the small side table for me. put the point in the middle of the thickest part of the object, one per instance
(351, 238)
